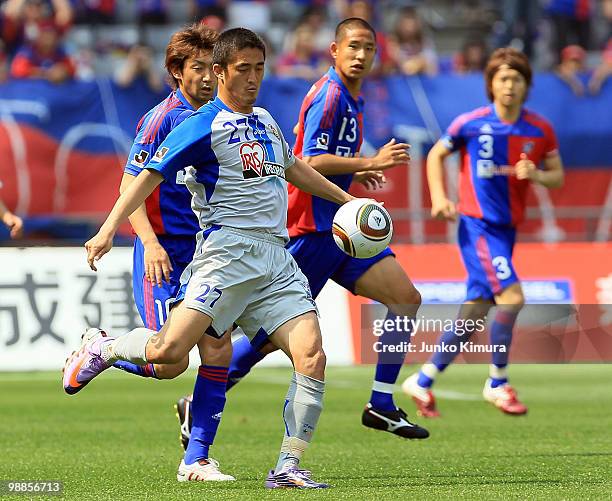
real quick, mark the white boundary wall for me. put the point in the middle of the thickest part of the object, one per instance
(48, 296)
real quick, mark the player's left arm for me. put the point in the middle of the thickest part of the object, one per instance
(307, 179)
(551, 176)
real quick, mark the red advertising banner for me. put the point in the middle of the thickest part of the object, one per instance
(569, 273)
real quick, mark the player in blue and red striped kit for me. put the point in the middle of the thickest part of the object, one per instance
(166, 229)
(504, 147)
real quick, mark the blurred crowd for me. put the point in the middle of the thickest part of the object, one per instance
(59, 40)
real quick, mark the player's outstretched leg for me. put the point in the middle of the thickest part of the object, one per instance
(85, 363)
(419, 385)
(300, 339)
(403, 300)
(497, 389)
(97, 354)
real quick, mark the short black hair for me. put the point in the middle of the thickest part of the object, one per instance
(352, 22)
(234, 40)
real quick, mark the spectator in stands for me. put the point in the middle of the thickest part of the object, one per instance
(44, 57)
(518, 25)
(472, 58)
(572, 68)
(252, 14)
(316, 17)
(571, 23)
(11, 221)
(412, 50)
(4, 69)
(11, 31)
(28, 14)
(95, 11)
(304, 60)
(603, 71)
(139, 64)
(606, 10)
(200, 9)
(383, 62)
(152, 11)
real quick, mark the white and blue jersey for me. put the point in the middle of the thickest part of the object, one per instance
(167, 209)
(234, 167)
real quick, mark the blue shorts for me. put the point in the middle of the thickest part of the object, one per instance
(486, 250)
(153, 302)
(320, 259)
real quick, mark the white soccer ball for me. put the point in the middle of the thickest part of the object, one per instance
(362, 228)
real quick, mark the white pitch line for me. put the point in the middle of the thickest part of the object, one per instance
(254, 377)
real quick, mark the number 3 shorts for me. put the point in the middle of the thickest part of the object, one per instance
(486, 250)
(247, 278)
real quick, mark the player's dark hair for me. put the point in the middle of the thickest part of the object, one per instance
(512, 58)
(353, 22)
(235, 40)
(185, 44)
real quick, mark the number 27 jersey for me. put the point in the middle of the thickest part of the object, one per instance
(235, 167)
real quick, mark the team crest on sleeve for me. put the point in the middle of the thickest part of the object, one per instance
(323, 141)
(254, 163)
(160, 154)
(140, 159)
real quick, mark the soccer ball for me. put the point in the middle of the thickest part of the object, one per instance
(362, 228)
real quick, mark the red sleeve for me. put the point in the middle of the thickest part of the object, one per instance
(66, 61)
(552, 146)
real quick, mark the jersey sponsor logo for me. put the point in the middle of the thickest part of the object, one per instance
(273, 130)
(140, 159)
(253, 157)
(254, 164)
(344, 151)
(486, 169)
(528, 147)
(160, 154)
(323, 141)
(180, 176)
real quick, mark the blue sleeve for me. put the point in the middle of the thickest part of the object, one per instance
(142, 151)
(454, 138)
(321, 123)
(178, 119)
(187, 144)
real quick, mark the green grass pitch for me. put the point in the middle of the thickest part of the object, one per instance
(117, 439)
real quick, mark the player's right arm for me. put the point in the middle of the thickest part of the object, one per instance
(156, 261)
(11, 221)
(182, 147)
(325, 126)
(390, 155)
(441, 206)
(132, 198)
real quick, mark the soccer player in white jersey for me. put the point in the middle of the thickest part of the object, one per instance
(239, 165)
